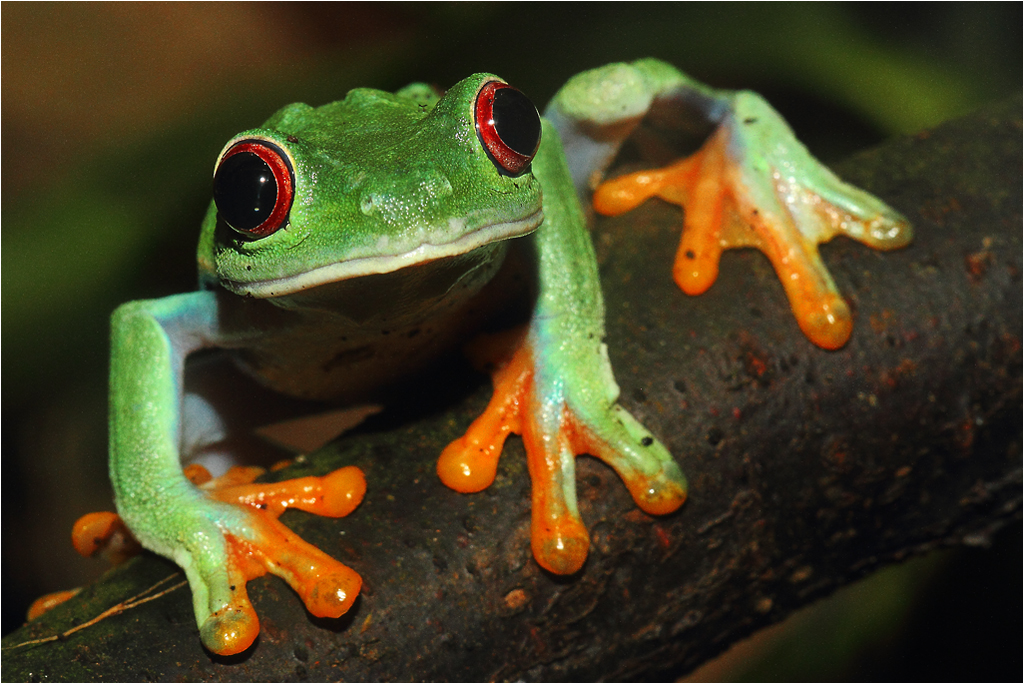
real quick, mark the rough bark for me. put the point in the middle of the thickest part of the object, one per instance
(808, 469)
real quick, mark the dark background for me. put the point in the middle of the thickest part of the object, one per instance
(114, 113)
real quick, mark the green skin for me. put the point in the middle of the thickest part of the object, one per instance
(400, 218)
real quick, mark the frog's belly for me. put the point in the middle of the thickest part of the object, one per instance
(351, 363)
(343, 341)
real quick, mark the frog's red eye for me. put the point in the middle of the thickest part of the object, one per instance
(253, 187)
(508, 126)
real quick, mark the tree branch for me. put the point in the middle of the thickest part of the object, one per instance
(808, 469)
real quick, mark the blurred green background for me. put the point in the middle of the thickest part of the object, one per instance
(114, 113)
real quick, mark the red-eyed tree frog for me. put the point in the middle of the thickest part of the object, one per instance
(347, 244)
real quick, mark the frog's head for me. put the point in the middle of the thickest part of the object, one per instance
(372, 184)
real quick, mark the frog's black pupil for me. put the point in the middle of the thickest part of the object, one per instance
(245, 190)
(516, 121)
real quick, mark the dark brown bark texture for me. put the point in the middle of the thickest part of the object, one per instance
(808, 469)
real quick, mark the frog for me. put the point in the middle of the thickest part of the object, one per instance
(348, 244)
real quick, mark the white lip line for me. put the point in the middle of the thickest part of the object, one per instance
(385, 264)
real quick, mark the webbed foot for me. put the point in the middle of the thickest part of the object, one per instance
(225, 532)
(557, 424)
(753, 184)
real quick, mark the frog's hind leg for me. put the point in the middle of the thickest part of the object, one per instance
(753, 184)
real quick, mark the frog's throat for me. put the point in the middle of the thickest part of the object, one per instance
(364, 266)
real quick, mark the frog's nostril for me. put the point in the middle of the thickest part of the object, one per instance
(368, 203)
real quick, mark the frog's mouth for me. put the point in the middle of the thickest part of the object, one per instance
(364, 266)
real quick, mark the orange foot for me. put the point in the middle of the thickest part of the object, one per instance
(48, 602)
(555, 429)
(753, 184)
(256, 542)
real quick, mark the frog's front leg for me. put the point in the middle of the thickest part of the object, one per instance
(221, 534)
(558, 392)
(752, 184)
